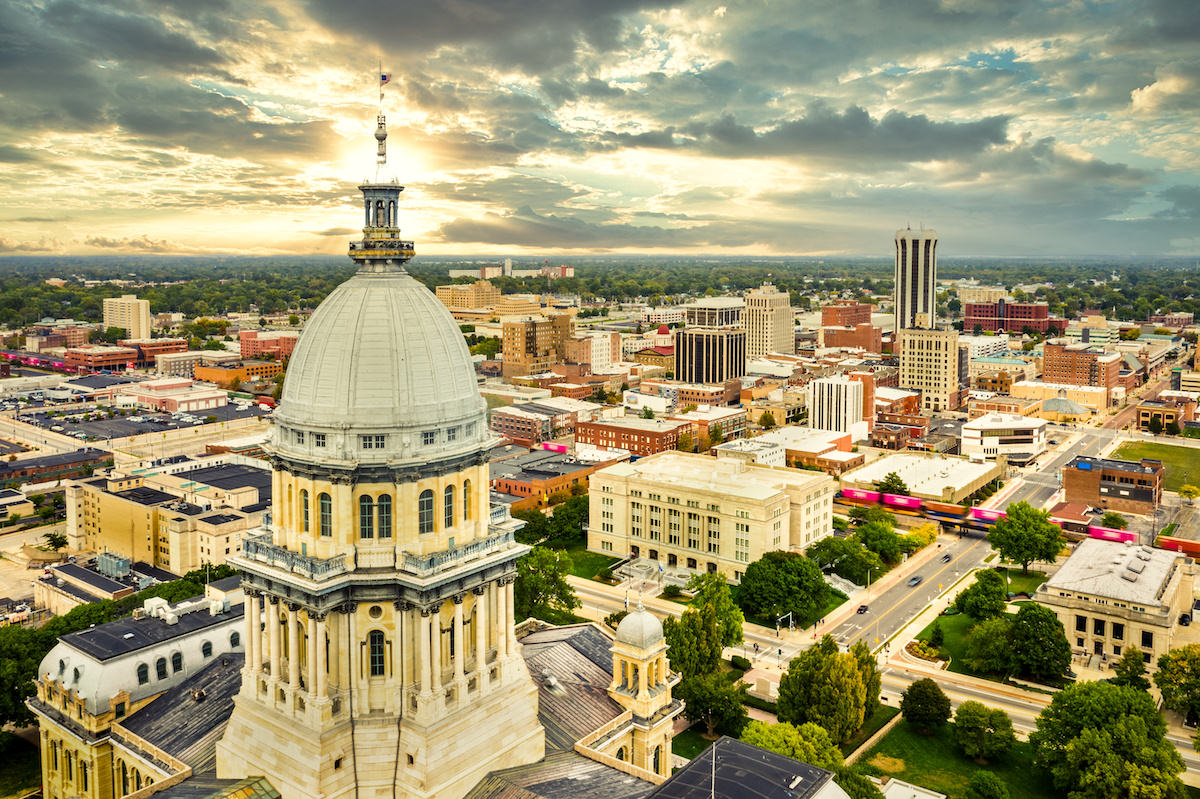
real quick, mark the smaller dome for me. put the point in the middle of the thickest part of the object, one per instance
(663, 330)
(640, 629)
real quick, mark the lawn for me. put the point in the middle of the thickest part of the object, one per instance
(1023, 583)
(1182, 463)
(836, 598)
(934, 762)
(882, 716)
(20, 766)
(588, 564)
(689, 743)
(954, 628)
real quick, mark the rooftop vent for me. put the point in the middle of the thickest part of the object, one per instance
(1129, 576)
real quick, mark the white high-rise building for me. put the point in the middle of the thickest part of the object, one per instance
(916, 278)
(836, 403)
(769, 322)
(130, 313)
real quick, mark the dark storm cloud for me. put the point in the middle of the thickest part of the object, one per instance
(1184, 200)
(18, 155)
(531, 35)
(823, 133)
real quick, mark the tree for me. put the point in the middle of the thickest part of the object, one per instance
(986, 785)
(847, 557)
(647, 413)
(541, 589)
(985, 598)
(694, 641)
(1101, 740)
(881, 539)
(713, 701)
(989, 646)
(807, 742)
(686, 443)
(924, 705)
(766, 420)
(937, 636)
(1025, 534)
(828, 688)
(1155, 425)
(871, 513)
(783, 582)
(1178, 678)
(868, 667)
(1130, 670)
(1189, 492)
(1114, 520)
(982, 732)
(55, 541)
(855, 784)
(710, 588)
(892, 484)
(293, 320)
(1172, 428)
(1039, 645)
(715, 434)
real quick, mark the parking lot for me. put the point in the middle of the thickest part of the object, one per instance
(95, 424)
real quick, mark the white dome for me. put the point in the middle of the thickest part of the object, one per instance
(381, 356)
(640, 629)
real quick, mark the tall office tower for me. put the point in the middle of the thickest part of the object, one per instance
(715, 312)
(530, 344)
(769, 322)
(709, 355)
(130, 313)
(916, 278)
(835, 403)
(929, 363)
(381, 657)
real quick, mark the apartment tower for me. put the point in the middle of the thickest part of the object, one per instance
(916, 277)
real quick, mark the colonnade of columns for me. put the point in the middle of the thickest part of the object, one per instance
(266, 644)
(492, 611)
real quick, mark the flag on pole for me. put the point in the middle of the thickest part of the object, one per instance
(385, 78)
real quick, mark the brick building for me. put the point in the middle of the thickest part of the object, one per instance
(90, 358)
(846, 313)
(277, 344)
(637, 436)
(863, 336)
(1080, 365)
(148, 349)
(1127, 486)
(1012, 317)
(226, 375)
(530, 344)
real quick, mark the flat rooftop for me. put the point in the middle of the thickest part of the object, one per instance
(1115, 570)
(923, 474)
(232, 475)
(536, 465)
(120, 637)
(730, 476)
(1086, 462)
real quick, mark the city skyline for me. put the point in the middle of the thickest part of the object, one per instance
(571, 127)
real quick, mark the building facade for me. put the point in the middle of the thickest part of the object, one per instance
(846, 313)
(530, 344)
(1080, 365)
(638, 437)
(929, 364)
(1011, 317)
(768, 322)
(1128, 486)
(480, 294)
(915, 278)
(835, 403)
(714, 312)
(695, 512)
(709, 355)
(129, 313)
(1019, 439)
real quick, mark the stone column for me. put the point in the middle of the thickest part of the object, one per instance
(460, 654)
(435, 650)
(499, 622)
(253, 634)
(423, 652)
(322, 660)
(293, 633)
(272, 608)
(481, 621)
(310, 677)
(507, 620)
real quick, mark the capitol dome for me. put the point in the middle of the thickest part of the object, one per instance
(381, 373)
(640, 629)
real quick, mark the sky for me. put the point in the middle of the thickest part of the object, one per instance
(552, 127)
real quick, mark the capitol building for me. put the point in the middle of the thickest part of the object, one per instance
(368, 649)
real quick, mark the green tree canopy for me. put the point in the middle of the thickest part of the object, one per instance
(1025, 534)
(892, 483)
(982, 732)
(694, 641)
(1039, 645)
(986, 785)
(881, 539)
(1131, 670)
(713, 701)
(1114, 520)
(924, 705)
(1178, 678)
(807, 742)
(766, 420)
(783, 582)
(828, 688)
(849, 559)
(985, 598)
(871, 513)
(710, 588)
(1100, 740)
(541, 589)
(55, 541)
(989, 646)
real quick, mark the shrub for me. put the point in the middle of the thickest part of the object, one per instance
(672, 591)
(740, 663)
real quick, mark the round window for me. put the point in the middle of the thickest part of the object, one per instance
(375, 612)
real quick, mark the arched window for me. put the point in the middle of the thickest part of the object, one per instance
(466, 500)
(206, 649)
(425, 512)
(448, 506)
(384, 504)
(160, 668)
(304, 510)
(621, 753)
(124, 778)
(177, 661)
(375, 644)
(658, 760)
(143, 672)
(366, 518)
(235, 639)
(326, 511)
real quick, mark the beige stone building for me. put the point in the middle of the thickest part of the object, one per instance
(470, 296)
(129, 313)
(981, 294)
(691, 511)
(768, 320)
(530, 344)
(929, 364)
(1110, 596)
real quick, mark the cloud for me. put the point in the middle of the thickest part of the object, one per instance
(141, 243)
(42, 245)
(336, 231)
(18, 155)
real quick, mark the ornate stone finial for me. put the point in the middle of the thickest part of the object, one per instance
(381, 138)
